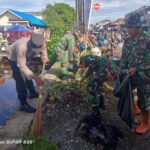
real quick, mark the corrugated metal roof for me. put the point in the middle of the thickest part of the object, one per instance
(118, 22)
(32, 19)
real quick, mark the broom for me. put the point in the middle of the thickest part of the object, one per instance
(37, 120)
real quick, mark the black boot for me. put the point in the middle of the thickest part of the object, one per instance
(27, 108)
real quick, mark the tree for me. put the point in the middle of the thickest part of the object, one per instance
(59, 17)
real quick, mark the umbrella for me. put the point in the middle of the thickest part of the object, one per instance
(17, 28)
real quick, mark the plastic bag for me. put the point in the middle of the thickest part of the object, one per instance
(82, 47)
(123, 91)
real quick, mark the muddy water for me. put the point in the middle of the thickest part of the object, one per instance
(8, 96)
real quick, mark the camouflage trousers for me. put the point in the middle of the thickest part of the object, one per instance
(143, 92)
(95, 92)
(66, 65)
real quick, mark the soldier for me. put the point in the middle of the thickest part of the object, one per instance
(98, 70)
(136, 59)
(66, 50)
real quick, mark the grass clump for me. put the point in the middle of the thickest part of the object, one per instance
(31, 143)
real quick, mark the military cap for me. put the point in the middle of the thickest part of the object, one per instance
(134, 20)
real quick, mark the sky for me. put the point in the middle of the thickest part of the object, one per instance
(110, 9)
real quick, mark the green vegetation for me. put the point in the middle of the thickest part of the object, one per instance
(51, 48)
(58, 73)
(41, 143)
(59, 89)
(59, 18)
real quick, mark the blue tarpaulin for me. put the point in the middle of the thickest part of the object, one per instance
(17, 28)
(32, 19)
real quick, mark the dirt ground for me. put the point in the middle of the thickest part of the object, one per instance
(61, 119)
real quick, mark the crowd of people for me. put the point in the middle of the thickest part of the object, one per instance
(110, 42)
(115, 52)
(112, 52)
(135, 61)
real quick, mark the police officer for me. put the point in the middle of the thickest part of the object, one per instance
(136, 59)
(19, 54)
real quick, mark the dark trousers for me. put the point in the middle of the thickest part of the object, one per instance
(117, 62)
(22, 85)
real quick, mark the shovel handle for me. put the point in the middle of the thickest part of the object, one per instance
(43, 71)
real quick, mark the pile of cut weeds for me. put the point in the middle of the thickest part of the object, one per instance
(67, 104)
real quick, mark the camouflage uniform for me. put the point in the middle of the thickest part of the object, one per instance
(136, 54)
(65, 50)
(96, 75)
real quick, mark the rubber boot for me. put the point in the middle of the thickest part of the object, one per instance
(137, 110)
(144, 124)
